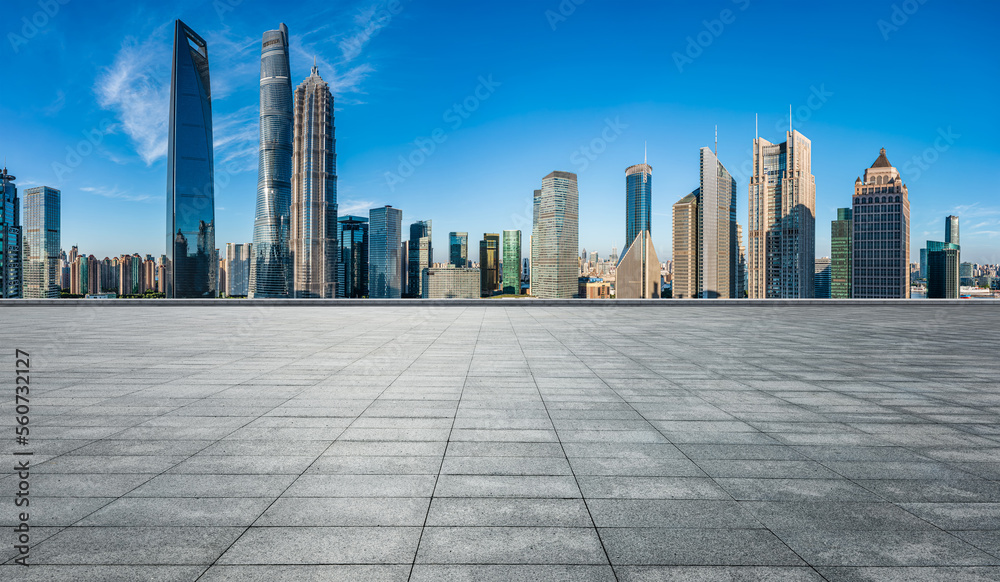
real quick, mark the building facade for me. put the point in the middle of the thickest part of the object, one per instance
(781, 242)
(511, 262)
(238, 263)
(490, 277)
(841, 254)
(458, 244)
(638, 201)
(638, 273)
(951, 230)
(684, 282)
(384, 261)
(352, 268)
(41, 265)
(822, 277)
(270, 268)
(190, 171)
(450, 282)
(942, 272)
(421, 256)
(555, 273)
(536, 200)
(313, 237)
(881, 220)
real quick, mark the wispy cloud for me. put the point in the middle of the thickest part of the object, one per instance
(357, 207)
(119, 194)
(369, 21)
(136, 87)
(57, 104)
(977, 210)
(235, 140)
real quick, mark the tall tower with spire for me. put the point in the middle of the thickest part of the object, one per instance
(313, 238)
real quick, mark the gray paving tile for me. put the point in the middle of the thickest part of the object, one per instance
(324, 545)
(661, 546)
(136, 545)
(485, 512)
(345, 511)
(513, 573)
(884, 548)
(510, 545)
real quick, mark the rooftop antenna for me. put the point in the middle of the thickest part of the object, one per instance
(716, 141)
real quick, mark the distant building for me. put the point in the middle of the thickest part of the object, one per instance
(191, 269)
(11, 257)
(313, 237)
(593, 288)
(238, 262)
(384, 262)
(638, 274)
(881, 218)
(352, 268)
(822, 278)
(951, 230)
(638, 201)
(841, 254)
(458, 243)
(942, 273)
(421, 255)
(965, 278)
(490, 277)
(511, 262)
(741, 264)
(450, 282)
(41, 268)
(556, 234)
(536, 200)
(685, 247)
(781, 243)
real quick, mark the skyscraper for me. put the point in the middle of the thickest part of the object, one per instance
(638, 201)
(638, 274)
(41, 242)
(421, 255)
(239, 261)
(10, 238)
(490, 277)
(557, 234)
(951, 230)
(352, 268)
(741, 264)
(270, 267)
(536, 200)
(942, 272)
(841, 254)
(313, 238)
(881, 217)
(822, 277)
(190, 170)
(511, 262)
(458, 243)
(782, 228)
(705, 240)
(450, 282)
(384, 264)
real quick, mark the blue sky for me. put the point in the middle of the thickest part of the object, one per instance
(541, 85)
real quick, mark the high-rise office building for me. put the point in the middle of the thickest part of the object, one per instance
(421, 256)
(352, 268)
(511, 262)
(951, 230)
(881, 217)
(270, 266)
(536, 200)
(557, 235)
(239, 263)
(404, 268)
(638, 201)
(638, 274)
(781, 246)
(458, 243)
(450, 282)
(822, 277)
(11, 257)
(490, 277)
(313, 238)
(942, 272)
(41, 266)
(705, 234)
(841, 254)
(190, 170)
(384, 261)
(741, 264)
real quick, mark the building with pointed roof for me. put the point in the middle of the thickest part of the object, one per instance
(881, 238)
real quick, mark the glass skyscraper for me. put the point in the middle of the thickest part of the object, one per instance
(190, 171)
(238, 264)
(41, 242)
(511, 262)
(557, 235)
(352, 268)
(313, 237)
(881, 219)
(638, 201)
(490, 277)
(384, 245)
(458, 243)
(10, 238)
(270, 265)
(421, 256)
(841, 254)
(951, 230)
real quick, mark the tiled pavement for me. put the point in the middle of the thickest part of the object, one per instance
(778, 443)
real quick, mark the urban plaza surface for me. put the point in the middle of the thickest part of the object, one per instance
(504, 441)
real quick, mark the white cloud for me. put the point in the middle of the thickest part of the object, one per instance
(356, 207)
(119, 194)
(236, 137)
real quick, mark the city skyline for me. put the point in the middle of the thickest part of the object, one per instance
(120, 174)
